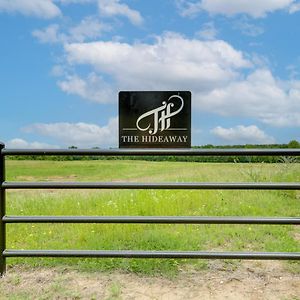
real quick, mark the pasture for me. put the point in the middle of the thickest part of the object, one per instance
(283, 238)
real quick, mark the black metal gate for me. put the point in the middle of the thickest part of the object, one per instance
(4, 253)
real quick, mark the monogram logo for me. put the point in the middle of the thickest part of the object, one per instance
(154, 119)
(160, 118)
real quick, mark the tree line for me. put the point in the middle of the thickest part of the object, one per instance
(242, 159)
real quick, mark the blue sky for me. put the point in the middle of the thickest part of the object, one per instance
(62, 63)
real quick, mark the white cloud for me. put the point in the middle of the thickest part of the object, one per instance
(39, 8)
(22, 144)
(172, 61)
(208, 31)
(248, 28)
(48, 35)
(294, 7)
(82, 135)
(260, 96)
(212, 70)
(89, 28)
(254, 8)
(111, 8)
(92, 88)
(242, 135)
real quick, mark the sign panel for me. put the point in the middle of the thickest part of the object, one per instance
(155, 119)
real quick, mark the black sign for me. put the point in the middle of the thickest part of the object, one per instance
(155, 119)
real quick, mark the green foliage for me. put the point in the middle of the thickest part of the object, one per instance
(216, 159)
(293, 144)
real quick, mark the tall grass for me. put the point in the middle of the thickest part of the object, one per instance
(149, 203)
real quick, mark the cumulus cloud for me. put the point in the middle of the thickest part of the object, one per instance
(39, 8)
(171, 62)
(48, 35)
(83, 135)
(92, 88)
(212, 70)
(111, 8)
(254, 8)
(22, 144)
(294, 7)
(260, 96)
(242, 135)
(89, 28)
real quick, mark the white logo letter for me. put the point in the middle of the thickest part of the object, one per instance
(165, 117)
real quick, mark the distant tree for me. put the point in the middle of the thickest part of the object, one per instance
(293, 144)
(208, 146)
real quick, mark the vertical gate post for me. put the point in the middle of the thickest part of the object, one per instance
(2, 212)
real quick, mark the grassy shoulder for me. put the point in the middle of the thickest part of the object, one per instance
(149, 203)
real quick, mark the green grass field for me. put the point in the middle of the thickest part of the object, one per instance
(150, 203)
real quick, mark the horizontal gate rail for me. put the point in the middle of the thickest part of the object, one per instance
(152, 254)
(150, 220)
(165, 185)
(156, 152)
(4, 220)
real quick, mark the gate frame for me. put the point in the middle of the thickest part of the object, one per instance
(4, 253)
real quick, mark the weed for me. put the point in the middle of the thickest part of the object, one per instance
(114, 292)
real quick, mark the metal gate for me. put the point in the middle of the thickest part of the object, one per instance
(4, 219)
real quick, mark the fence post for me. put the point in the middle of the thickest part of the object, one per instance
(2, 212)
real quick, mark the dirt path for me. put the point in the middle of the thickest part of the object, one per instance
(251, 280)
